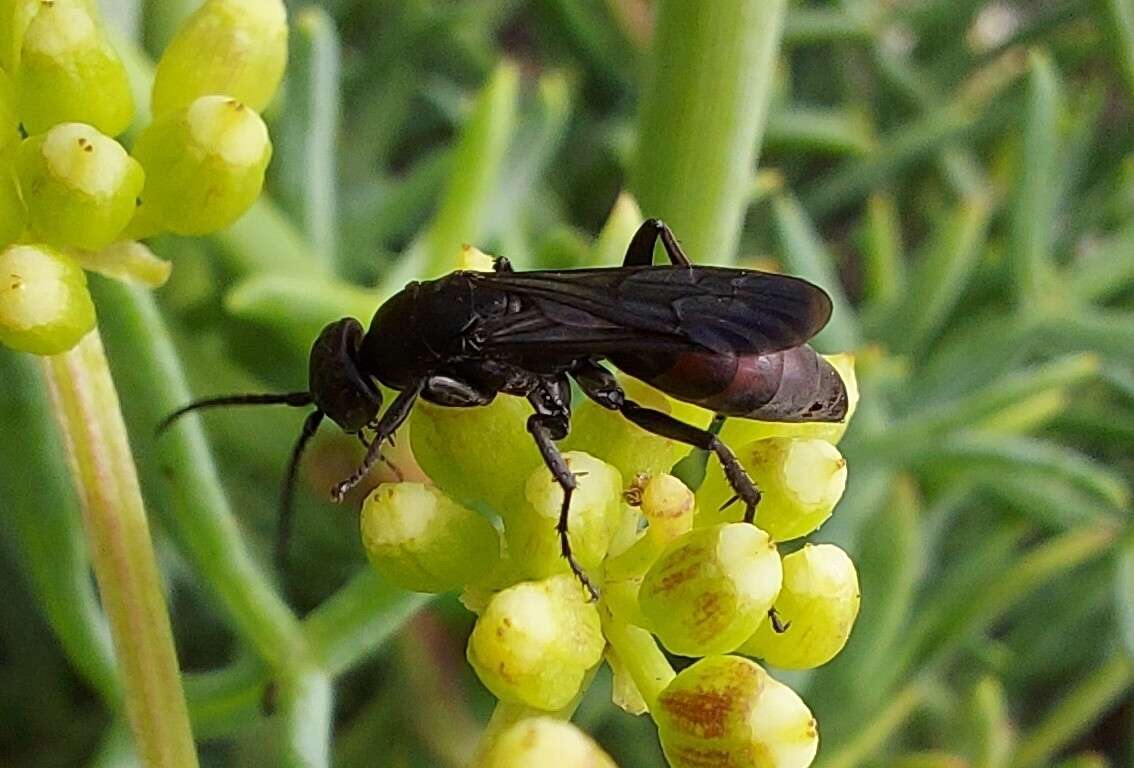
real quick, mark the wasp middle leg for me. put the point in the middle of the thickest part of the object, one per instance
(550, 422)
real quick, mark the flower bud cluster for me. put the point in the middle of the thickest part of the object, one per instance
(70, 191)
(671, 569)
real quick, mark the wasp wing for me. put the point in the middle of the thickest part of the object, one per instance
(599, 311)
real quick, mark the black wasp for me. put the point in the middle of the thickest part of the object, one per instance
(729, 340)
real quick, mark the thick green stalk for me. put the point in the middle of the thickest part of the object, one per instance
(86, 406)
(702, 117)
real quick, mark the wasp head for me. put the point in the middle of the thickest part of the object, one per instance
(339, 387)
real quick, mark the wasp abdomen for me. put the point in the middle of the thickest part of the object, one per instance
(792, 385)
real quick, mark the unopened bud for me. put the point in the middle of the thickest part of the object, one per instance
(710, 589)
(535, 642)
(233, 47)
(668, 505)
(44, 304)
(815, 610)
(13, 213)
(422, 540)
(80, 187)
(544, 741)
(727, 711)
(478, 456)
(9, 117)
(593, 518)
(69, 72)
(800, 480)
(204, 166)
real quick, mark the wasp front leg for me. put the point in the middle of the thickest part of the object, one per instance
(393, 418)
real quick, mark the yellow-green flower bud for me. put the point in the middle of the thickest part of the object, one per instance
(539, 741)
(535, 642)
(9, 119)
(668, 505)
(69, 72)
(80, 187)
(727, 712)
(743, 431)
(233, 47)
(204, 166)
(816, 610)
(13, 213)
(15, 15)
(420, 539)
(630, 449)
(711, 588)
(596, 510)
(800, 480)
(44, 304)
(479, 456)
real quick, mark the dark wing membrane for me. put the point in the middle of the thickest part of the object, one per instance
(663, 307)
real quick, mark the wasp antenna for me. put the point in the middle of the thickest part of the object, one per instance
(287, 498)
(294, 399)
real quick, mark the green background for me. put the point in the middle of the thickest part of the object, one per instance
(956, 173)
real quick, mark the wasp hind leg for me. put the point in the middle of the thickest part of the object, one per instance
(640, 252)
(600, 385)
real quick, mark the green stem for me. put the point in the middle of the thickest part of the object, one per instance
(883, 264)
(942, 274)
(812, 26)
(504, 716)
(940, 634)
(86, 406)
(640, 655)
(992, 736)
(357, 620)
(702, 117)
(306, 704)
(967, 412)
(180, 472)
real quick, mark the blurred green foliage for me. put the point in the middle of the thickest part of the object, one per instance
(956, 173)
